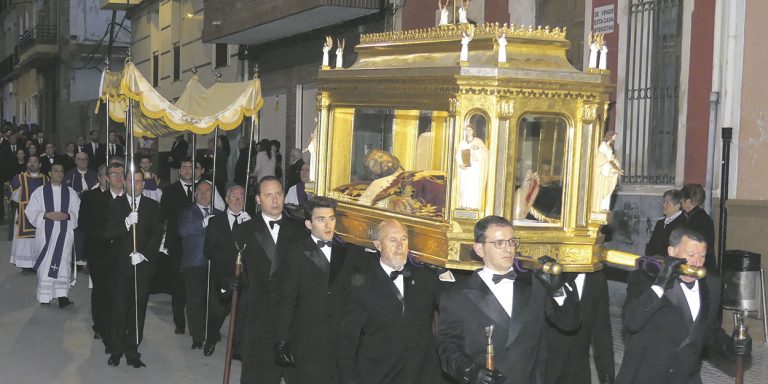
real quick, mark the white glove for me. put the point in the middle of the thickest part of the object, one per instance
(205, 221)
(132, 219)
(137, 258)
(243, 217)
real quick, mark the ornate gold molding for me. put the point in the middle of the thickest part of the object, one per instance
(588, 112)
(453, 105)
(323, 100)
(454, 31)
(505, 109)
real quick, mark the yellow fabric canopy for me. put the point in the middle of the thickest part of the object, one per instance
(198, 110)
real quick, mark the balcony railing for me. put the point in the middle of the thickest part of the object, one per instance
(40, 34)
(9, 64)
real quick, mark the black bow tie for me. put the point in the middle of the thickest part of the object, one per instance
(393, 275)
(689, 285)
(511, 275)
(321, 243)
(273, 222)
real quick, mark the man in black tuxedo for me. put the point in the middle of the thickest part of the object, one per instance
(315, 290)
(95, 151)
(673, 218)
(517, 303)
(670, 318)
(94, 207)
(176, 197)
(48, 158)
(80, 145)
(177, 154)
(567, 353)
(693, 197)
(114, 148)
(267, 238)
(386, 334)
(128, 213)
(221, 250)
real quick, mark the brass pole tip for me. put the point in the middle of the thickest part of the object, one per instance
(552, 268)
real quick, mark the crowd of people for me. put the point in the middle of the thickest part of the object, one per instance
(313, 309)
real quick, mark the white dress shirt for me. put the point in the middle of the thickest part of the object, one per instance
(241, 218)
(399, 281)
(272, 231)
(326, 250)
(503, 291)
(691, 297)
(579, 280)
(672, 218)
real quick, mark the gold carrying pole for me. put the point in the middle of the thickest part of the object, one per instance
(627, 259)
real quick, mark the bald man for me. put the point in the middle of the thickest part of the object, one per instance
(393, 304)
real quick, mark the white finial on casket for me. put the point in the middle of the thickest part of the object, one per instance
(327, 48)
(443, 12)
(340, 54)
(502, 40)
(463, 12)
(466, 37)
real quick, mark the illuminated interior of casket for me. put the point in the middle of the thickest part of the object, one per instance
(412, 133)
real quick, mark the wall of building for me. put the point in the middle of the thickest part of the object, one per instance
(157, 26)
(753, 125)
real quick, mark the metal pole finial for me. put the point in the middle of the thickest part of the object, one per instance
(129, 55)
(106, 63)
(217, 75)
(255, 70)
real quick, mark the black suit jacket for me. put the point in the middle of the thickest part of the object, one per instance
(149, 230)
(314, 293)
(119, 150)
(385, 338)
(469, 306)
(220, 250)
(699, 221)
(94, 209)
(174, 199)
(45, 163)
(664, 344)
(95, 159)
(7, 161)
(567, 354)
(657, 245)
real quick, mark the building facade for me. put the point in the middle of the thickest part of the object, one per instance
(51, 57)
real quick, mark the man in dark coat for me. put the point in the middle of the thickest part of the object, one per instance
(221, 250)
(176, 197)
(94, 207)
(142, 215)
(567, 353)
(267, 238)
(699, 221)
(48, 158)
(316, 287)
(95, 150)
(670, 318)
(518, 304)
(193, 221)
(386, 335)
(673, 218)
(114, 148)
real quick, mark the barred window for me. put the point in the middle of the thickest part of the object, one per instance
(652, 91)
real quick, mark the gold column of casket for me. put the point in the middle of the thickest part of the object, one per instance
(408, 94)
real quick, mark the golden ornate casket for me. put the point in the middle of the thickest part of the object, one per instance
(472, 138)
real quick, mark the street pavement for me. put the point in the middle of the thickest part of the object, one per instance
(45, 344)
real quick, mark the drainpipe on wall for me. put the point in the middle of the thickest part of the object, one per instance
(714, 105)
